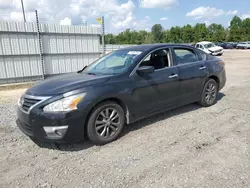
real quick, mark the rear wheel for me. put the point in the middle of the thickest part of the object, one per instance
(209, 93)
(105, 123)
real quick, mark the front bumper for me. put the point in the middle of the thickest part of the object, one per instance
(217, 53)
(54, 127)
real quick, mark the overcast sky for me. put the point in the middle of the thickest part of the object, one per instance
(123, 14)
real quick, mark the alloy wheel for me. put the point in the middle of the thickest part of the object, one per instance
(107, 122)
(210, 93)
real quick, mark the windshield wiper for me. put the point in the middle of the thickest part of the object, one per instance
(91, 73)
(80, 71)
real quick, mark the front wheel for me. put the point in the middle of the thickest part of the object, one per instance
(105, 123)
(209, 93)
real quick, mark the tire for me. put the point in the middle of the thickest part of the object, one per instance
(209, 93)
(102, 128)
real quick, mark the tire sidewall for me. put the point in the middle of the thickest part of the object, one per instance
(91, 132)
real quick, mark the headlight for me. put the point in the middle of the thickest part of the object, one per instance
(64, 105)
(20, 101)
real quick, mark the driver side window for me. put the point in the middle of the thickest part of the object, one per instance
(158, 59)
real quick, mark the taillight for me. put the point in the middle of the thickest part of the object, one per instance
(222, 63)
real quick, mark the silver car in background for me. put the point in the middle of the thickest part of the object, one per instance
(243, 45)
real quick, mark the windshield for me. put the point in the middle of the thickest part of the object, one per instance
(113, 63)
(209, 45)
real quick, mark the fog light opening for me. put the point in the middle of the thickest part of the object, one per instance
(55, 132)
(58, 133)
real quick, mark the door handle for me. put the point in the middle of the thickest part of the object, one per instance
(173, 76)
(202, 68)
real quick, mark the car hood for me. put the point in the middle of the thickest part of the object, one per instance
(65, 83)
(215, 48)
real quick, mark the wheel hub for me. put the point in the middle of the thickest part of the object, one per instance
(108, 123)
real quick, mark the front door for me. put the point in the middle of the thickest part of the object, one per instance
(159, 89)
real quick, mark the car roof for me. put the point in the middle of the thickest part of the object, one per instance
(204, 42)
(149, 47)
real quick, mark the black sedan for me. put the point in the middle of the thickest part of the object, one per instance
(226, 45)
(120, 88)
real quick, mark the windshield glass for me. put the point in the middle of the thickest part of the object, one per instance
(209, 45)
(113, 63)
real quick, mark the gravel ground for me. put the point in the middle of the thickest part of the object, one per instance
(186, 147)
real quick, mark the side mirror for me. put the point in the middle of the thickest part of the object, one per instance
(145, 70)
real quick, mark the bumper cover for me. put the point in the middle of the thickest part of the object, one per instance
(217, 53)
(38, 125)
(222, 78)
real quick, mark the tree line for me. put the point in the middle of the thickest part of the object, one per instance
(239, 30)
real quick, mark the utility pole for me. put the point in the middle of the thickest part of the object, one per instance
(40, 45)
(24, 19)
(103, 34)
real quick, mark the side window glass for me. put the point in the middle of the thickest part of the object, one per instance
(158, 59)
(183, 56)
(148, 58)
(201, 56)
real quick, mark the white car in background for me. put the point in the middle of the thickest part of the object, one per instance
(243, 45)
(209, 48)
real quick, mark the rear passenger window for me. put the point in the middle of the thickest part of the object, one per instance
(201, 55)
(183, 56)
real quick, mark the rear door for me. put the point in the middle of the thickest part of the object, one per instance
(192, 73)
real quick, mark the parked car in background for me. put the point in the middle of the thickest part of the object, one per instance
(209, 48)
(120, 88)
(234, 44)
(243, 45)
(226, 45)
(218, 43)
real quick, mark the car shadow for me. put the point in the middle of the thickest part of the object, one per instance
(85, 144)
(164, 115)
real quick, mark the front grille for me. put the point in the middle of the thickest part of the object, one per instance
(28, 103)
